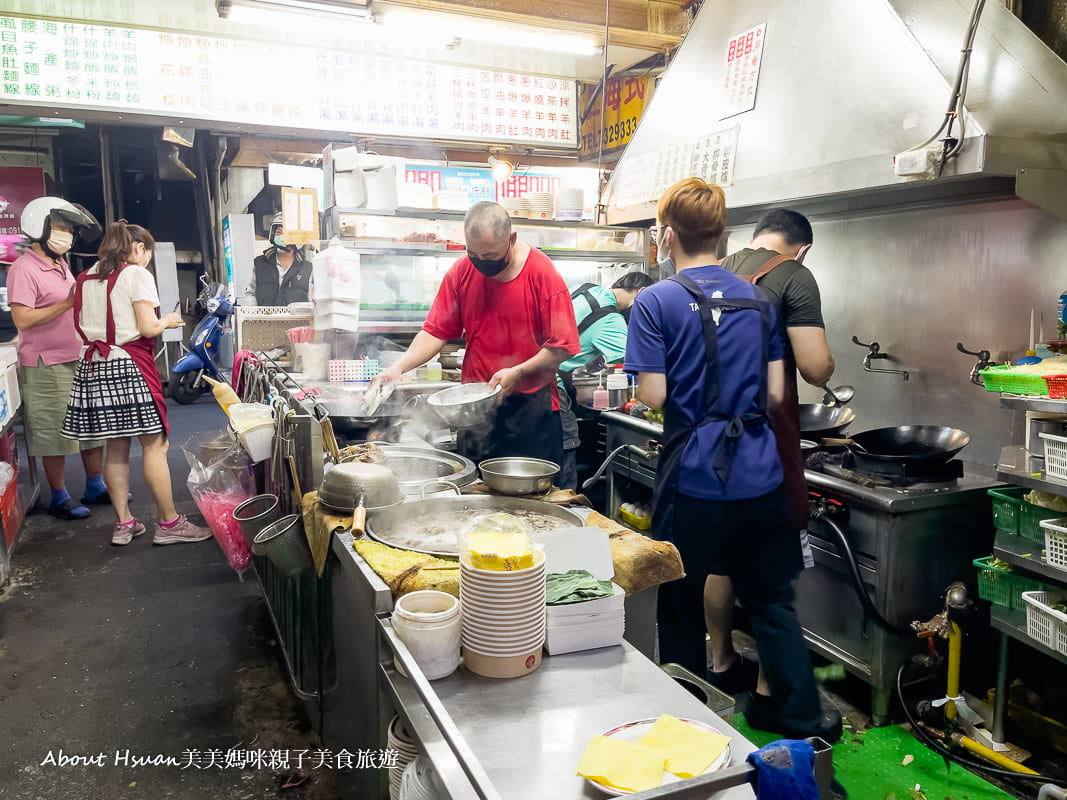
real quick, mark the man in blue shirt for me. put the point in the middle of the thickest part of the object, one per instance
(708, 349)
(601, 332)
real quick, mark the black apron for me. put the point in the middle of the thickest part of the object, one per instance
(677, 433)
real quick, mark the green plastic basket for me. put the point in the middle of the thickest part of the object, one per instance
(1001, 379)
(994, 584)
(1021, 583)
(1030, 522)
(1007, 508)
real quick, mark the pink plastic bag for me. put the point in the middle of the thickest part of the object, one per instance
(218, 488)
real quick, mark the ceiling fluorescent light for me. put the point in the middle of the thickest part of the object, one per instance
(437, 27)
(279, 10)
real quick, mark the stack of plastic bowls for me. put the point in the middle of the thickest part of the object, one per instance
(503, 618)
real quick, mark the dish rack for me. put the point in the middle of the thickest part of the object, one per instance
(267, 327)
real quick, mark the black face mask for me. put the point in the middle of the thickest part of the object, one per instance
(491, 266)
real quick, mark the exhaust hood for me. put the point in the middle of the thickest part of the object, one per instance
(843, 87)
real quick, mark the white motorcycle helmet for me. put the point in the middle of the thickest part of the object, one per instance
(36, 214)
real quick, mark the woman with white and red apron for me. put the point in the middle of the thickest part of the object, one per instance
(117, 393)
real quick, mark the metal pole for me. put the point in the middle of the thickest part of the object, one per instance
(105, 175)
(1000, 705)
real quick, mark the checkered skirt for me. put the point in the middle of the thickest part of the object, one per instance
(108, 400)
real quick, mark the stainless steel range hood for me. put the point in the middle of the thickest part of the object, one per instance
(845, 85)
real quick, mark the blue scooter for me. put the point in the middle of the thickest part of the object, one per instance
(186, 384)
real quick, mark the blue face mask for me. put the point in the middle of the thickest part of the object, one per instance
(666, 266)
(279, 241)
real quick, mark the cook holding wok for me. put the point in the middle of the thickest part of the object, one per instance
(512, 306)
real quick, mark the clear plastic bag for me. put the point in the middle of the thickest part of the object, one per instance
(498, 542)
(217, 489)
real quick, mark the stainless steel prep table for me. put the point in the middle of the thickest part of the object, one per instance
(567, 700)
(523, 737)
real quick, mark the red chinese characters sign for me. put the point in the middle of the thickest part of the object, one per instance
(624, 102)
(744, 55)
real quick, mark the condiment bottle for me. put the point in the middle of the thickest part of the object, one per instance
(225, 396)
(433, 370)
(600, 397)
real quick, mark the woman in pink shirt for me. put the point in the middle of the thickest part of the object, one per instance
(40, 290)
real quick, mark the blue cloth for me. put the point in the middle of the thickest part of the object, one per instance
(785, 771)
(665, 337)
(606, 336)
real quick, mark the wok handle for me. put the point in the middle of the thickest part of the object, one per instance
(829, 442)
(359, 519)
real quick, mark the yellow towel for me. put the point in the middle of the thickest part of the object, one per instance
(690, 750)
(625, 765)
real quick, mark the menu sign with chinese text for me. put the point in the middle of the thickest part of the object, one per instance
(744, 55)
(624, 102)
(73, 65)
(713, 156)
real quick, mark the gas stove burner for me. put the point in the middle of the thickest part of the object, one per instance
(891, 475)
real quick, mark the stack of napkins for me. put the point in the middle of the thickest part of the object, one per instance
(591, 623)
(670, 746)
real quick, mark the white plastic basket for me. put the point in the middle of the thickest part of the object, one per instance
(1044, 623)
(1055, 455)
(1056, 542)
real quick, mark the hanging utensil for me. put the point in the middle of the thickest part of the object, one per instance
(839, 396)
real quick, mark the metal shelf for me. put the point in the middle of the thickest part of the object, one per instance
(458, 216)
(1026, 554)
(1015, 466)
(1020, 402)
(1012, 622)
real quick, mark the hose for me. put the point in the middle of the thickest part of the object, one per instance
(869, 607)
(940, 749)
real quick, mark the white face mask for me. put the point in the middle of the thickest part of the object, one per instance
(59, 242)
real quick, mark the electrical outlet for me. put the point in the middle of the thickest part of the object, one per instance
(917, 163)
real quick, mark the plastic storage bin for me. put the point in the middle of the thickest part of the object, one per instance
(1045, 624)
(1055, 455)
(1056, 542)
(257, 440)
(1007, 508)
(994, 584)
(1002, 379)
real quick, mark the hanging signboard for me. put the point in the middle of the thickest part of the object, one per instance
(18, 186)
(624, 102)
(744, 56)
(300, 215)
(713, 156)
(245, 83)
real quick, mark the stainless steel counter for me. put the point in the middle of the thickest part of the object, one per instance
(524, 737)
(975, 480)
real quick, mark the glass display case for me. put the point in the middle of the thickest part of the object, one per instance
(404, 255)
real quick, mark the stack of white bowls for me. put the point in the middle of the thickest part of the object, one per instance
(420, 782)
(503, 618)
(569, 203)
(404, 744)
(541, 204)
(516, 206)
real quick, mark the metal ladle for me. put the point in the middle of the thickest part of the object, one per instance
(839, 396)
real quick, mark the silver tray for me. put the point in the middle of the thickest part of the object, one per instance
(397, 526)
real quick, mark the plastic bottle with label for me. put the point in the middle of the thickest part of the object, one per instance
(433, 370)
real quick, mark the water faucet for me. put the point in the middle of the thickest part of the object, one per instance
(873, 352)
(983, 362)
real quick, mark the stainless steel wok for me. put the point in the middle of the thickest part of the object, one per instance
(401, 526)
(913, 445)
(819, 422)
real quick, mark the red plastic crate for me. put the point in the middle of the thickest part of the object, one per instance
(1057, 386)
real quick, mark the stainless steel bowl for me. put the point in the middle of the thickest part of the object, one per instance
(465, 406)
(343, 484)
(518, 475)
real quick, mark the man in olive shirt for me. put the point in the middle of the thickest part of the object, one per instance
(785, 237)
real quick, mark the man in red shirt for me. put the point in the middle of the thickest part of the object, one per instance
(515, 311)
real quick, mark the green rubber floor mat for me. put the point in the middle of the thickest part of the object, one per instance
(870, 765)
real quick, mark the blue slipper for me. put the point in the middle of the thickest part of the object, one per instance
(69, 510)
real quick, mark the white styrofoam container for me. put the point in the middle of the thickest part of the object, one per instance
(257, 441)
